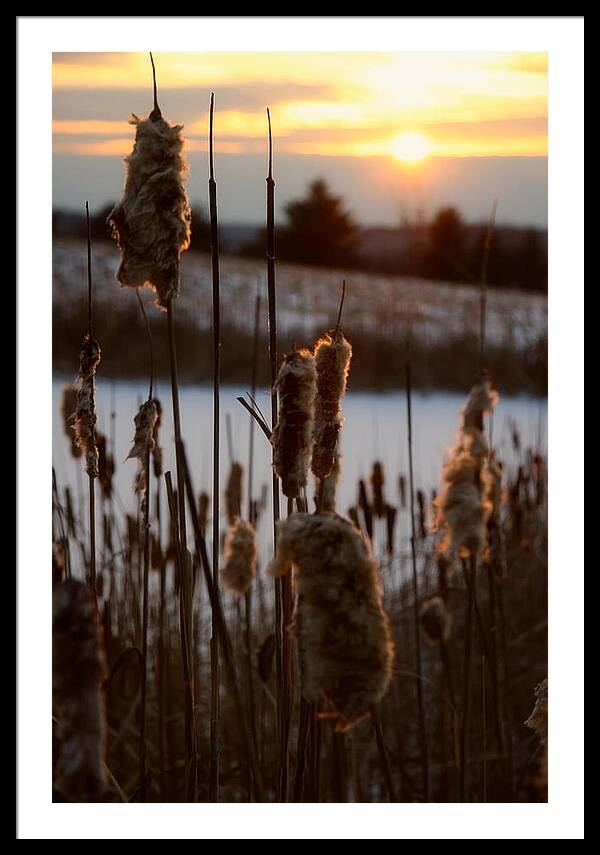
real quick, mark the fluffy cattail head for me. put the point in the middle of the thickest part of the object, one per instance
(143, 441)
(343, 633)
(329, 486)
(462, 507)
(435, 619)
(233, 492)
(482, 400)
(78, 669)
(291, 437)
(85, 413)
(68, 407)
(240, 557)
(152, 221)
(332, 358)
(463, 503)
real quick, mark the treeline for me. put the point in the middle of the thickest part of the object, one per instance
(318, 230)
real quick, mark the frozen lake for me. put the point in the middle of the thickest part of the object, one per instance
(375, 429)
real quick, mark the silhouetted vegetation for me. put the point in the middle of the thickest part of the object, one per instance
(318, 230)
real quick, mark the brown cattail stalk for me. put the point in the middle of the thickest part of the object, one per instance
(274, 361)
(344, 639)
(79, 669)
(152, 226)
(415, 585)
(85, 413)
(214, 644)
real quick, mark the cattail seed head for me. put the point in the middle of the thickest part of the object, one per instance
(85, 412)
(78, 669)
(203, 507)
(106, 465)
(344, 638)
(68, 407)
(422, 514)
(233, 492)
(329, 486)
(332, 359)
(435, 619)
(240, 557)
(402, 489)
(152, 221)
(462, 503)
(291, 437)
(482, 400)
(143, 441)
(377, 482)
(390, 523)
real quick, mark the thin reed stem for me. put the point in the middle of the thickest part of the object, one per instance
(214, 644)
(223, 633)
(143, 688)
(415, 584)
(466, 711)
(383, 756)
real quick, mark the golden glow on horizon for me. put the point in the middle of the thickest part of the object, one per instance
(411, 146)
(334, 104)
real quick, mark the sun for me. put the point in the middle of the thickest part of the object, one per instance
(411, 146)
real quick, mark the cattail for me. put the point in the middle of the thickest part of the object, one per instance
(143, 441)
(240, 557)
(85, 413)
(482, 400)
(364, 505)
(203, 506)
(332, 361)
(58, 562)
(344, 637)
(435, 619)
(422, 514)
(68, 407)
(463, 504)
(390, 522)
(233, 492)
(292, 434)
(329, 488)
(157, 455)
(151, 223)
(377, 482)
(106, 465)
(353, 517)
(402, 489)
(79, 670)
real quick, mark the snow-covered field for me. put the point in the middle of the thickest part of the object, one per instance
(308, 298)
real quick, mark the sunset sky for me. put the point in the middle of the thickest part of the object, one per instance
(392, 133)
